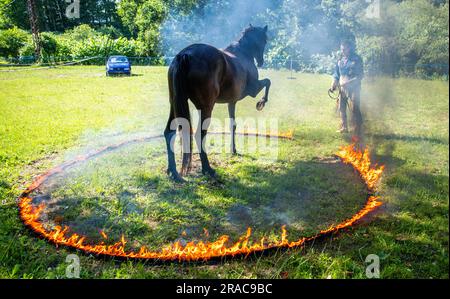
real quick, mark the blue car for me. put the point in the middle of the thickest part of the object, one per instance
(118, 65)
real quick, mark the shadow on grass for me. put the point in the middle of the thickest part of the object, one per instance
(124, 75)
(407, 138)
(306, 197)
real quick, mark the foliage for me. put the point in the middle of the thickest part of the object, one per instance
(302, 32)
(148, 19)
(423, 39)
(103, 46)
(11, 40)
(81, 32)
(127, 10)
(82, 42)
(323, 64)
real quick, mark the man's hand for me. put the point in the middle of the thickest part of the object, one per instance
(334, 86)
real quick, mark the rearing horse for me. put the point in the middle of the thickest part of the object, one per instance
(206, 76)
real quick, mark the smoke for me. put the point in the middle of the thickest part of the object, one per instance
(297, 29)
(218, 23)
(119, 131)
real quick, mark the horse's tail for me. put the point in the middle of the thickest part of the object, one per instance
(181, 108)
(180, 99)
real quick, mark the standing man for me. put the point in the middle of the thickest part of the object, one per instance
(347, 77)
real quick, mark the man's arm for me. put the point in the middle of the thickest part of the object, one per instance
(336, 77)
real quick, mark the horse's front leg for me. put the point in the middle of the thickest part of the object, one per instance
(232, 114)
(265, 83)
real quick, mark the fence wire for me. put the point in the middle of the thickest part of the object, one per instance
(393, 69)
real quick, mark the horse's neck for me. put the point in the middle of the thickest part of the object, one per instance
(238, 50)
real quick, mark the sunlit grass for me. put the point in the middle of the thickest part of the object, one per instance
(47, 116)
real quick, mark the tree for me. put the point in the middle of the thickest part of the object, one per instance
(127, 11)
(13, 13)
(150, 15)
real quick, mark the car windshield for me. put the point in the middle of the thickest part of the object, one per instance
(118, 60)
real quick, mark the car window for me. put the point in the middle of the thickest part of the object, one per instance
(118, 59)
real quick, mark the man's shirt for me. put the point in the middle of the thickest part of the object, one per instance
(348, 68)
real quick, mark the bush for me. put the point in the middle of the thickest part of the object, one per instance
(123, 46)
(81, 33)
(12, 40)
(104, 46)
(49, 44)
(149, 42)
(110, 31)
(53, 48)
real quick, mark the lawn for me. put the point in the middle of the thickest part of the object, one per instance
(52, 115)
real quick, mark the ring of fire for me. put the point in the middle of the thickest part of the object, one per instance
(194, 251)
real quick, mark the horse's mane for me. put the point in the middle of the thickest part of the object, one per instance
(243, 45)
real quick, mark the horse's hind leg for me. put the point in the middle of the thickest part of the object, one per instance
(203, 128)
(169, 135)
(186, 165)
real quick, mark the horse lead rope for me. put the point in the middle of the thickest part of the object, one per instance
(338, 97)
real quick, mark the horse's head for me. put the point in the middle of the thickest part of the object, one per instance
(254, 39)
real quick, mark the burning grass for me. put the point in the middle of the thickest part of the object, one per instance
(193, 251)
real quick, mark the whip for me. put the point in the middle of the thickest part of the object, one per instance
(339, 89)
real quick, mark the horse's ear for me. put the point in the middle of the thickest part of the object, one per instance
(266, 28)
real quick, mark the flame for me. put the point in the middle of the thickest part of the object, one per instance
(289, 135)
(104, 235)
(361, 162)
(195, 251)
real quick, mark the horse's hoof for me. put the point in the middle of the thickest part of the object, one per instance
(178, 179)
(185, 171)
(210, 172)
(260, 105)
(213, 176)
(174, 176)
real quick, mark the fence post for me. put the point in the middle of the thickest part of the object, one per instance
(292, 70)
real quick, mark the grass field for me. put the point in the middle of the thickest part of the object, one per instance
(48, 116)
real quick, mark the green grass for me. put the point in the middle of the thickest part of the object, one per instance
(48, 116)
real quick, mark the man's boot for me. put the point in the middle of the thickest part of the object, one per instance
(343, 129)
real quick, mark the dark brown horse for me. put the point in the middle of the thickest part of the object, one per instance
(206, 76)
